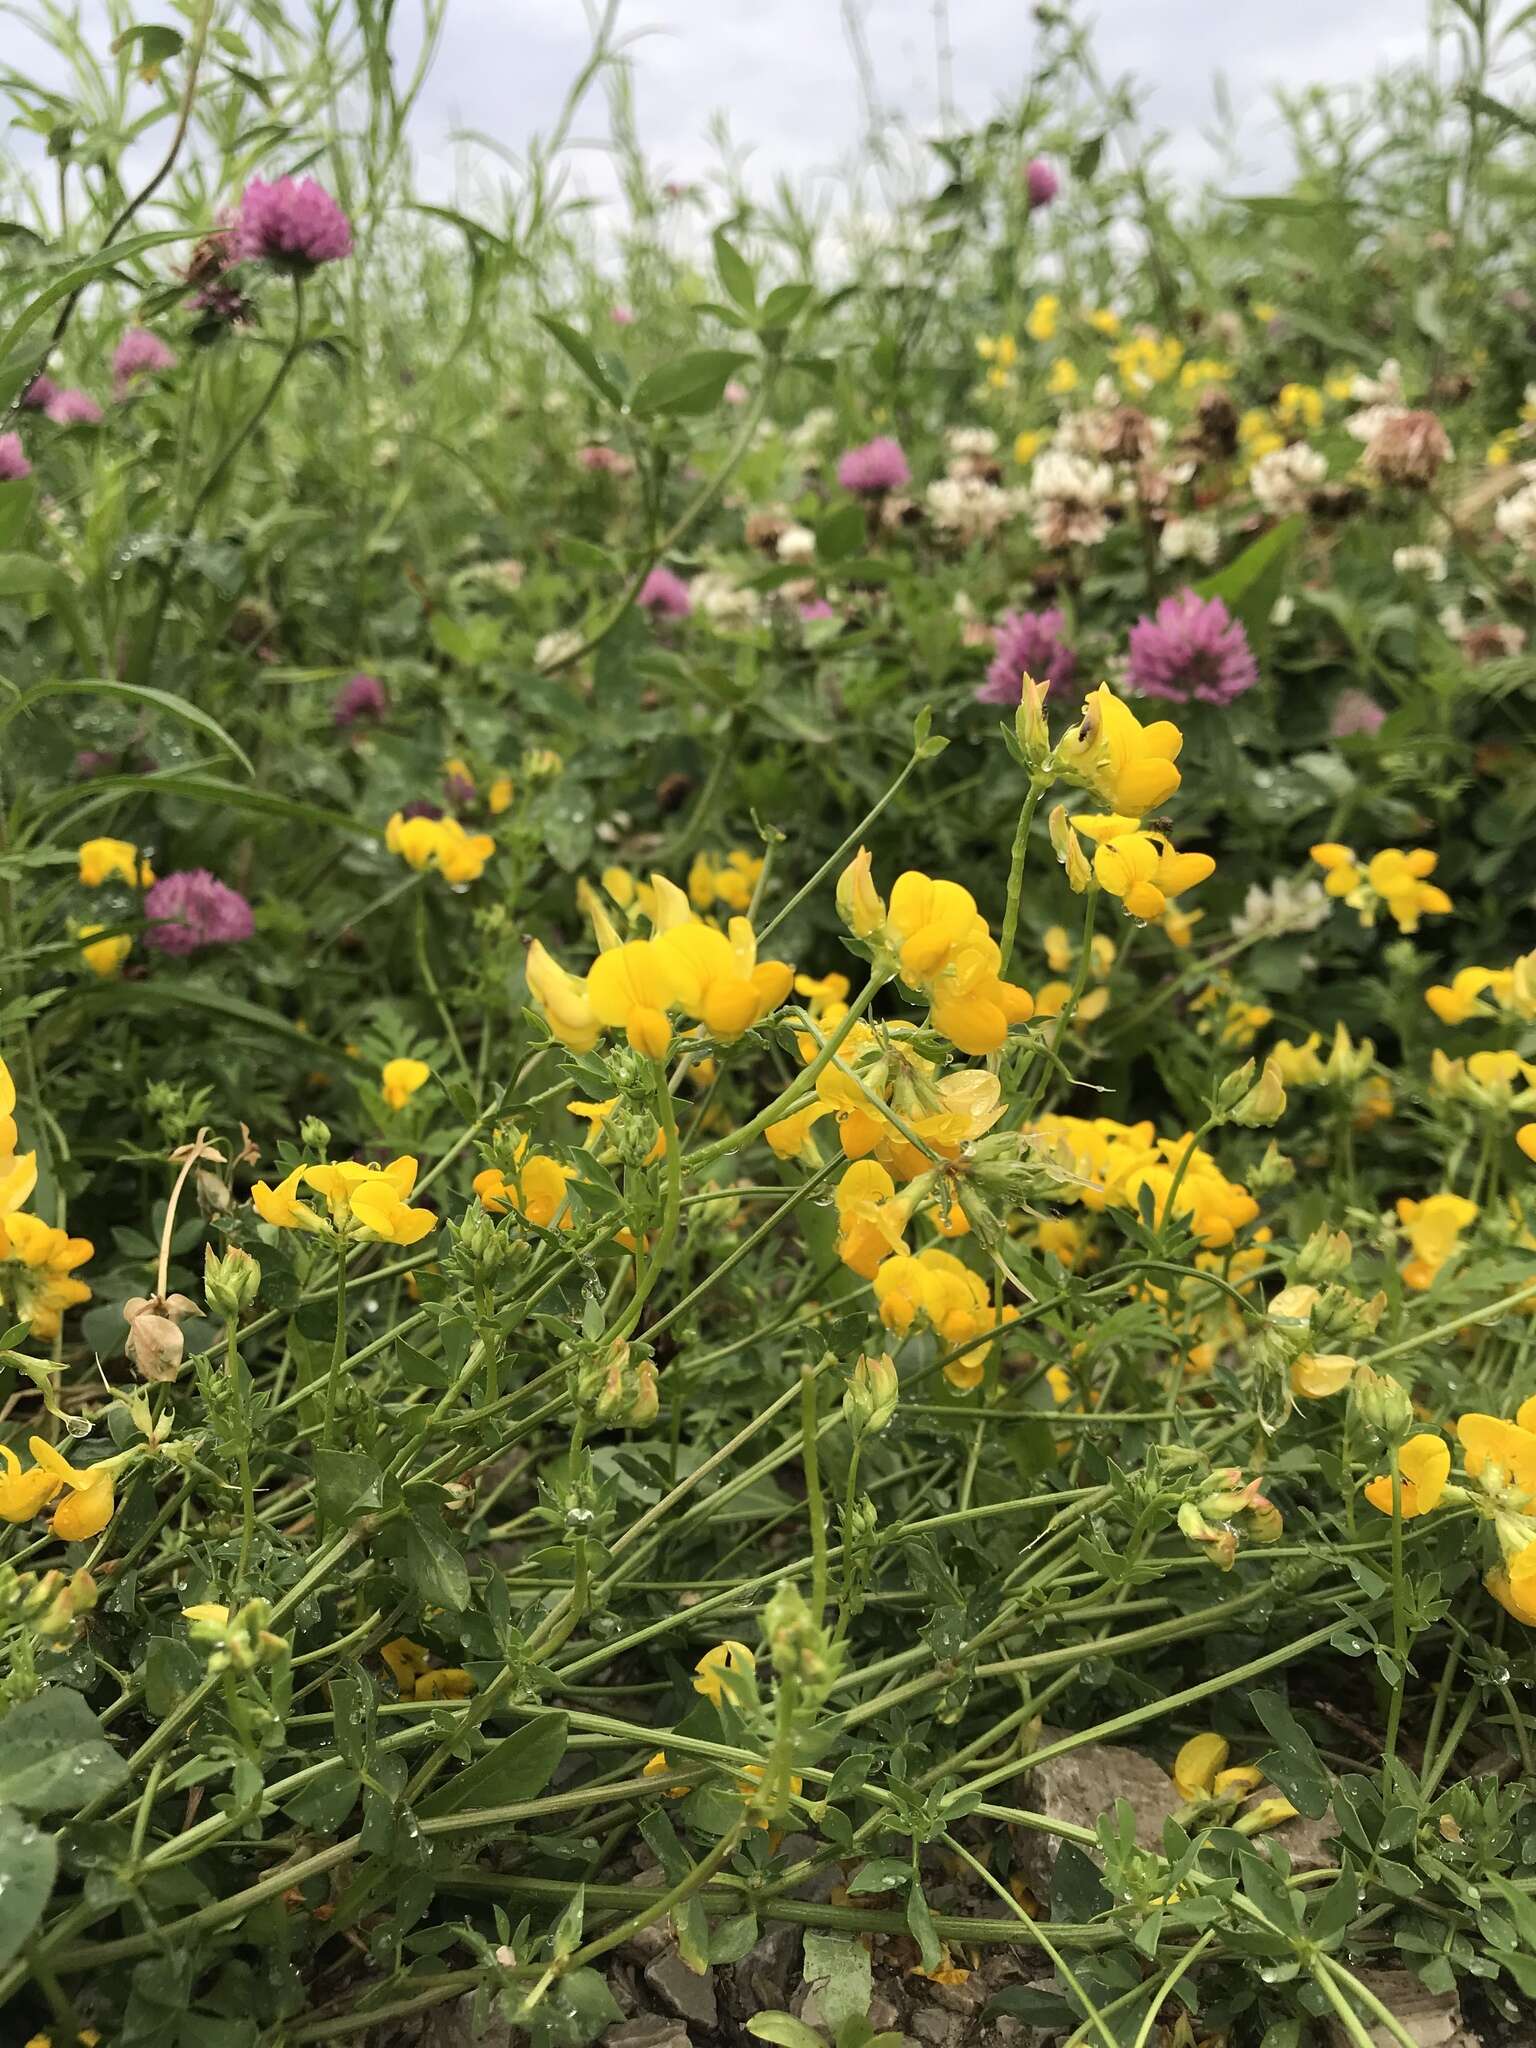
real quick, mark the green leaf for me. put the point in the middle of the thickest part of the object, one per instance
(53, 1756)
(566, 1938)
(840, 533)
(572, 2013)
(730, 1940)
(880, 1874)
(153, 44)
(840, 1968)
(694, 383)
(172, 1669)
(920, 1926)
(582, 355)
(29, 1862)
(735, 272)
(783, 306)
(513, 1770)
(433, 1563)
(180, 996)
(31, 576)
(75, 278)
(135, 693)
(1249, 586)
(785, 2029)
(1294, 1763)
(345, 1483)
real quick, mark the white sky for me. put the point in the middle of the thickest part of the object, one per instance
(781, 71)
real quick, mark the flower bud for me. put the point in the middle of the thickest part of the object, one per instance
(231, 1283)
(797, 1642)
(859, 904)
(1264, 1102)
(1384, 1403)
(1347, 1062)
(1030, 728)
(1274, 1170)
(870, 1399)
(1220, 1545)
(1268, 1813)
(1069, 851)
(618, 1389)
(213, 1195)
(1232, 1090)
(315, 1136)
(1325, 1255)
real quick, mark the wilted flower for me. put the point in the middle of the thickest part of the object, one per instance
(192, 908)
(1192, 650)
(293, 224)
(1069, 496)
(1407, 448)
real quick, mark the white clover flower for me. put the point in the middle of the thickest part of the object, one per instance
(1285, 479)
(1419, 560)
(1190, 540)
(1285, 906)
(796, 544)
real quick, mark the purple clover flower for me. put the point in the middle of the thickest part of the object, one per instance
(665, 594)
(1192, 651)
(73, 408)
(1028, 644)
(13, 460)
(39, 394)
(1041, 183)
(139, 354)
(191, 909)
(876, 467)
(293, 224)
(362, 697)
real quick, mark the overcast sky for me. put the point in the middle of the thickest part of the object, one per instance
(781, 70)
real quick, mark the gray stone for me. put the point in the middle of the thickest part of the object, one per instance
(1077, 1788)
(939, 2028)
(1310, 1844)
(766, 1975)
(690, 1997)
(649, 1942)
(647, 2031)
(1430, 2019)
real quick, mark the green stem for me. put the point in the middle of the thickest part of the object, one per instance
(1016, 874)
(338, 1348)
(815, 1506)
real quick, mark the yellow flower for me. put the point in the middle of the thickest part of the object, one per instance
(718, 977)
(1425, 1465)
(444, 1684)
(18, 1171)
(363, 1201)
(561, 1000)
(281, 1207)
(103, 956)
(422, 843)
(406, 1661)
(1143, 869)
(871, 1220)
(730, 881)
(1462, 1000)
(945, 949)
(1001, 349)
(400, 1080)
(24, 1491)
(500, 795)
(209, 1613)
(43, 1258)
(718, 1671)
(1202, 371)
(1041, 321)
(1501, 1456)
(1394, 877)
(1063, 378)
(1525, 1138)
(1147, 359)
(1103, 321)
(1125, 764)
(536, 1188)
(1027, 445)
(934, 1287)
(105, 860)
(1299, 406)
(1433, 1228)
(89, 1501)
(631, 988)
(1199, 1771)
(1300, 1066)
